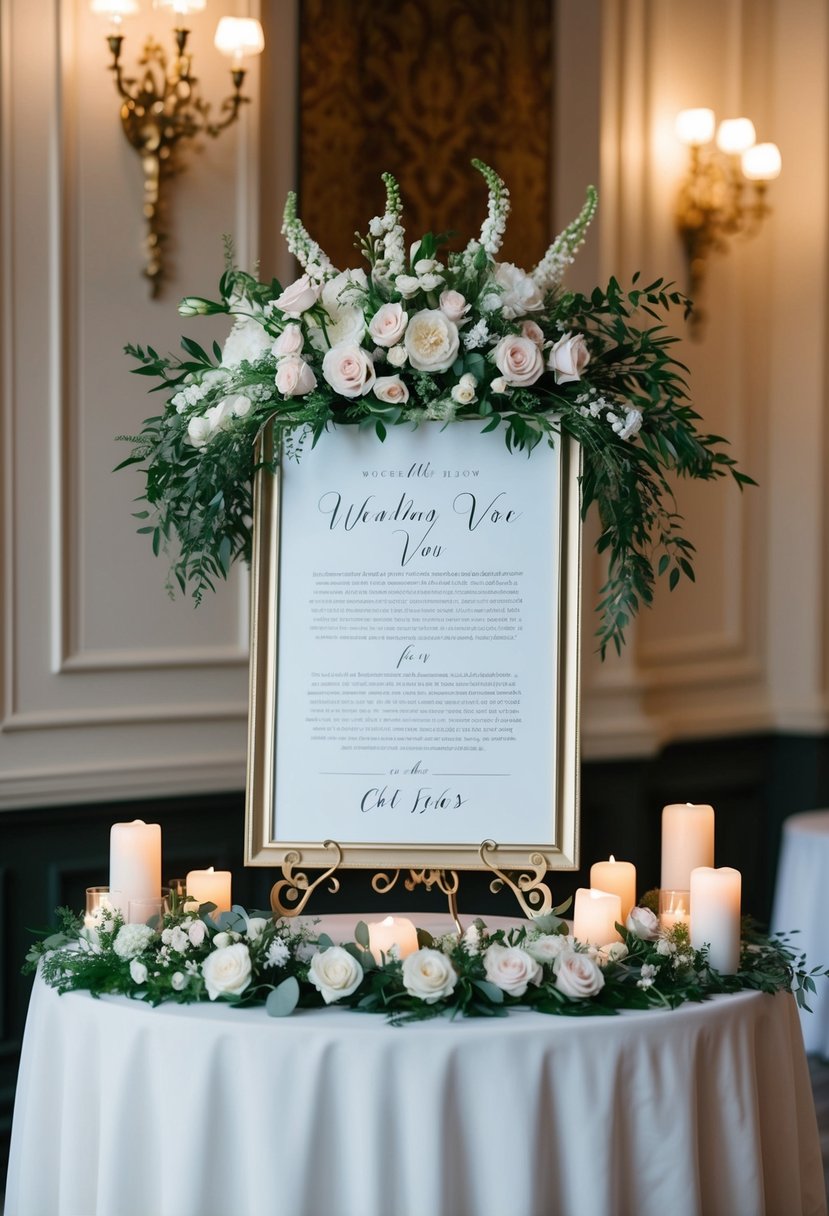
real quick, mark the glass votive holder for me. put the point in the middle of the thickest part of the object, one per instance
(674, 909)
(149, 911)
(178, 890)
(100, 898)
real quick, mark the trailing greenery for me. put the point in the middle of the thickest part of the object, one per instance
(419, 339)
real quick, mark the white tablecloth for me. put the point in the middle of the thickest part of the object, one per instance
(123, 1110)
(801, 901)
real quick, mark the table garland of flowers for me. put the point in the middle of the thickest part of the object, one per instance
(246, 958)
(423, 338)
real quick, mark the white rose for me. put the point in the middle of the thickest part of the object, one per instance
(289, 342)
(578, 975)
(179, 940)
(511, 968)
(220, 415)
(462, 393)
(227, 970)
(391, 389)
(408, 285)
(138, 972)
(519, 293)
(199, 431)
(397, 356)
(178, 981)
(221, 941)
(548, 947)
(499, 385)
(568, 358)
(256, 927)
(349, 370)
(453, 305)
(430, 281)
(132, 940)
(518, 360)
(240, 405)
(294, 377)
(431, 341)
(298, 297)
(388, 324)
(643, 923)
(429, 975)
(247, 341)
(335, 973)
(196, 932)
(534, 332)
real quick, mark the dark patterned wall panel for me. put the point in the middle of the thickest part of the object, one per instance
(420, 87)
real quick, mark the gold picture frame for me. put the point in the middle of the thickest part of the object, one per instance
(325, 847)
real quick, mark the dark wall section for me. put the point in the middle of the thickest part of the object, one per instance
(48, 857)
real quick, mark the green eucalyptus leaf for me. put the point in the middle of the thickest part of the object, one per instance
(284, 999)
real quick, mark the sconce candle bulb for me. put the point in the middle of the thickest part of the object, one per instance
(163, 109)
(710, 206)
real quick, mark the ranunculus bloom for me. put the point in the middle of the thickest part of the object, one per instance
(578, 975)
(518, 360)
(519, 293)
(643, 923)
(431, 341)
(294, 377)
(289, 342)
(227, 971)
(388, 324)
(335, 973)
(511, 968)
(349, 370)
(429, 975)
(568, 358)
(298, 297)
(391, 389)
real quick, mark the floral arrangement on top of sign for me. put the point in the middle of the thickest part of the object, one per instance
(419, 337)
(250, 959)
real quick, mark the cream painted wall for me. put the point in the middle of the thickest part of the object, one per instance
(111, 690)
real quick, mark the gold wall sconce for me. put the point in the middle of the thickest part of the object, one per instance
(162, 110)
(712, 206)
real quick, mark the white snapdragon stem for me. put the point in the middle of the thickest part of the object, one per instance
(313, 260)
(549, 272)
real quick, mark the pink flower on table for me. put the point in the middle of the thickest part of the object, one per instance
(349, 370)
(294, 377)
(511, 969)
(391, 389)
(289, 342)
(388, 324)
(568, 358)
(298, 297)
(519, 360)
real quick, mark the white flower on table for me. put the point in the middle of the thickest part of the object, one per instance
(298, 297)
(616, 952)
(429, 975)
(454, 305)
(255, 926)
(197, 932)
(644, 923)
(519, 294)
(227, 970)
(387, 326)
(277, 954)
(176, 938)
(247, 341)
(578, 975)
(335, 974)
(294, 377)
(391, 390)
(178, 981)
(464, 391)
(665, 947)
(647, 976)
(547, 947)
(519, 360)
(511, 968)
(138, 972)
(132, 940)
(397, 356)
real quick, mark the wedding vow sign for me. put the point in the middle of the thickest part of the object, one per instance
(414, 671)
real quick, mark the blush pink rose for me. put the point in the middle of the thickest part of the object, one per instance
(294, 378)
(534, 332)
(388, 324)
(391, 389)
(298, 297)
(518, 359)
(349, 370)
(453, 305)
(568, 358)
(289, 342)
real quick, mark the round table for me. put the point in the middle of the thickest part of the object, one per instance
(801, 901)
(125, 1110)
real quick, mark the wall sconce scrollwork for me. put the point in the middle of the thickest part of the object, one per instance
(162, 110)
(712, 207)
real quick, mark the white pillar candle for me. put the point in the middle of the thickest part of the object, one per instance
(617, 877)
(393, 931)
(595, 917)
(715, 916)
(210, 887)
(687, 842)
(134, 862)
